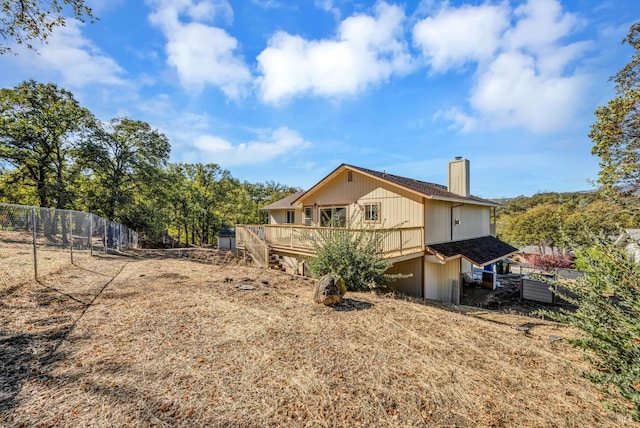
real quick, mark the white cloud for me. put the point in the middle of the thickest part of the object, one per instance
(459, 118)
(157, 105)
(328, 6)
(540, 24)
(523, 69)
(366, 50)
(267, 4)
(512, 92)
(77, 60)
(98, 7)
(201, 54)
(455, 36)
(282, 142)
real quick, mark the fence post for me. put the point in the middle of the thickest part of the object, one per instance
(35, 236)
(104, 221)
(71, 234)
(90, 233)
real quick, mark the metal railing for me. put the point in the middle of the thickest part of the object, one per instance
(37, 241)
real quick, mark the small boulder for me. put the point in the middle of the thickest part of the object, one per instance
(329, 290)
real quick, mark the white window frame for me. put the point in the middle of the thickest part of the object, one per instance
(307, 213)
(372, 210)
(333, 211)
(291, 220)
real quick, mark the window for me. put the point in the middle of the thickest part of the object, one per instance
(372, 213)
(349, 176)
(291, 216)
(308, 216)
(336, 217)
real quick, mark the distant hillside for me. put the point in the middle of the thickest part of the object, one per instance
(506, 200)
(561, 219)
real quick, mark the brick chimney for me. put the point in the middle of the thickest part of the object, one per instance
(459, 176)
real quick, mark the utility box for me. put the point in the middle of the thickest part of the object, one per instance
(227, 238)
(537, 291)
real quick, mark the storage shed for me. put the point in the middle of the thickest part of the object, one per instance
(227, 238)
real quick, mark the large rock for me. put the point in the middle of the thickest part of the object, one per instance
(329, 290)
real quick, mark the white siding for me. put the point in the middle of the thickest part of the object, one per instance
(474, 221)
(397, 206)
(466, 266)
(437, 222)
(280, 216)
(439, 280)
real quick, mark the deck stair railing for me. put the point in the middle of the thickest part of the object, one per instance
(249, 239)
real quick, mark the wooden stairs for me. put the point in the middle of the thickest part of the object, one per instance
(275, 262)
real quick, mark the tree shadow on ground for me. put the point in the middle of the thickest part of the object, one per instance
(26, 355)
(37, 320)
(346, 305)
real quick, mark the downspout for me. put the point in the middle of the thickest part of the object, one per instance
(493, 222)
(452, 207)
(424, 240)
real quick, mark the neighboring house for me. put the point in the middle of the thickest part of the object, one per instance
(630, 241)
(535, 250)
(439, 231)
(227, 238)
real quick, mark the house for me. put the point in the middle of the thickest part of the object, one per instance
(630, 241)
(227, 238)
(283, 212)
(528, 251)
(439, 232)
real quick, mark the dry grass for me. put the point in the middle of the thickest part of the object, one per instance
(16, 257)
(148, 340)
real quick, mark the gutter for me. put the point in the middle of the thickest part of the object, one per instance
(452, 207)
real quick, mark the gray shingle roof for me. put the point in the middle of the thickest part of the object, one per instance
(284, 203)
(227, 232)
(480, 251)
(426, 188)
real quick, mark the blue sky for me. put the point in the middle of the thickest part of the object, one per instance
(287, 90)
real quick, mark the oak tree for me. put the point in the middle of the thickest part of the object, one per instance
(126, 159)
(616, 133)
(26, 21)
(40, 127)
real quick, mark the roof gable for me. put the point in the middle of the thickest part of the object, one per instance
(284, 203)
(422, 188)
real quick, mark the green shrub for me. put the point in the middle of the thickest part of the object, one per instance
(353, 253)
(607, 298)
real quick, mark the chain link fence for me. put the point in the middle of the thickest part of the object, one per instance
(38, 241)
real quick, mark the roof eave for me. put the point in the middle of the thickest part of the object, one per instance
(464, 200)
(425, 195)
(391, 183)
(319, 183)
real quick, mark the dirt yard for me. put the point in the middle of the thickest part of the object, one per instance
(151, 339)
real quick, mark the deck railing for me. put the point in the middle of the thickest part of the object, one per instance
(396, 242)
(247, 238)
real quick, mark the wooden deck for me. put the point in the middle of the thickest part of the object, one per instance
(261, 240)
